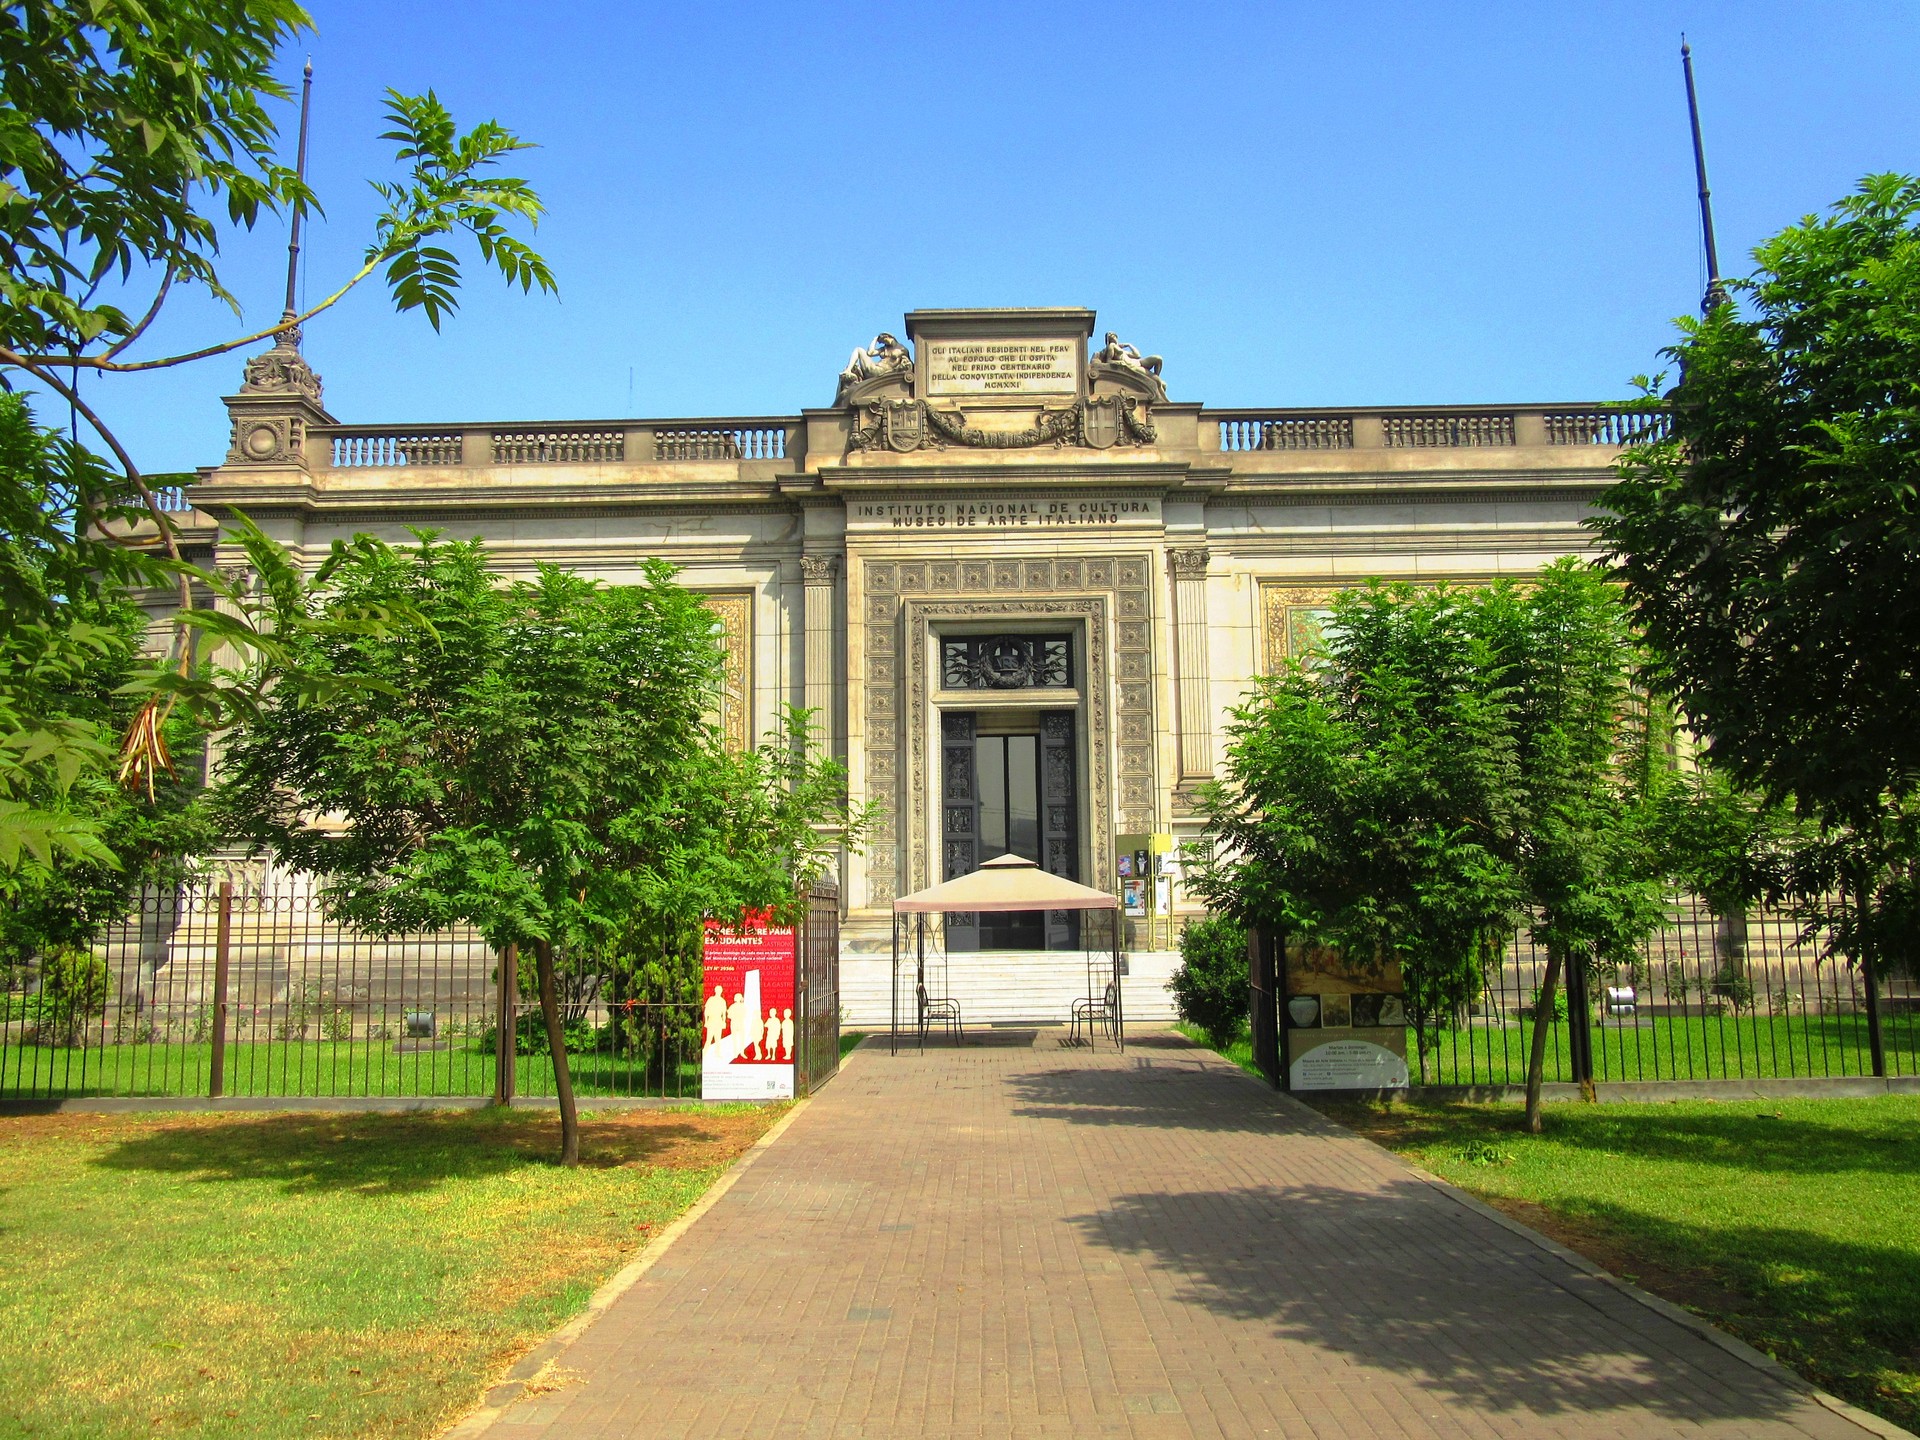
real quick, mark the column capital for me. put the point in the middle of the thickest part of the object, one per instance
(1190, 562)
(819, 569)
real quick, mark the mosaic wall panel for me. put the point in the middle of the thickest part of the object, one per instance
(1291, 617)
(734, 611)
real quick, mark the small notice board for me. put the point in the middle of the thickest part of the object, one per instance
(1346, 1024)
(747, 1019)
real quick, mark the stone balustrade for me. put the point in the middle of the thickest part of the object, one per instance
(1451, 428)
(357, 447)
(780, 438)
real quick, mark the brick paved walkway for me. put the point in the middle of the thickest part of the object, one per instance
(1025, 1240)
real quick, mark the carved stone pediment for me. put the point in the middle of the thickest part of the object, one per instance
(1105, 379)
(898, 385)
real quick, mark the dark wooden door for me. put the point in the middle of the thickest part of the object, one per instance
(960, 818)
(1060, 819)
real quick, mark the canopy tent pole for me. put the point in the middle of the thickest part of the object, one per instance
(1119, 1004)
(920, 973)
(893, 993)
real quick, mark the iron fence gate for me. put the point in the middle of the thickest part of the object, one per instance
(1711, 996)
(818, 982)
(241, 987)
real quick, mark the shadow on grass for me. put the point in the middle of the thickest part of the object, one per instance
(383, 1154)
(1842, 1291)
(1762, 1138)
(1405, 1283)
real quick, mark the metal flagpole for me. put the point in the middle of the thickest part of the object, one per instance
(1716, 293)
(299, 208)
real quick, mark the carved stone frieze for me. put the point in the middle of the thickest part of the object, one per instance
(904, 425)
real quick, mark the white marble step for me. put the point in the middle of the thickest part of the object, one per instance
(999, 987)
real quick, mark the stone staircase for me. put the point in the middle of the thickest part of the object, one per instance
(1001, 987)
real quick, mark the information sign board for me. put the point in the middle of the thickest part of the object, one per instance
(747, 1019)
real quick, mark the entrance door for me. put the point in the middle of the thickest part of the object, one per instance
(1009, 780)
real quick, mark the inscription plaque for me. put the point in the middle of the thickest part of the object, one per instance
(990, 512)
(1002, 367)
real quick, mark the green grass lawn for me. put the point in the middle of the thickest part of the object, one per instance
(1795, 1224)
(320, 1067)
(1696, 1047)
(313, 1275)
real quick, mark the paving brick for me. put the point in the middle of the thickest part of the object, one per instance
(1022, 1239)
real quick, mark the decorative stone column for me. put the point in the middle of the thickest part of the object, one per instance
(819, 654)
(1189, 569)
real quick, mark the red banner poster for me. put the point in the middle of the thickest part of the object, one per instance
(747, 1019)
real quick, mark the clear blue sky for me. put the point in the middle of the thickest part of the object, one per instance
(1295, 204)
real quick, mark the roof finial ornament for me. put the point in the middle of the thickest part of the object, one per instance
(284, 368)
(1716, 293)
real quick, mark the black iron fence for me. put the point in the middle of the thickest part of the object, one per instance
(241, 987)
(1710, 997)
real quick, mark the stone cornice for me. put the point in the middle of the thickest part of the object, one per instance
(1077, 474)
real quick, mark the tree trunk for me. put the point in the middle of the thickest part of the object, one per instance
(1730, 944)
(557, 1044)
(1542, 1022)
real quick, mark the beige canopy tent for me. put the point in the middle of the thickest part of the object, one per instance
(1005, 883)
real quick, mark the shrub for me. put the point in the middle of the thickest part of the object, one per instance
(73, 986)
(1559, 1011)
(530, 1035)
(1735, 987)
(1210, 985)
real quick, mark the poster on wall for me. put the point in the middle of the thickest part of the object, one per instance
(1346, 1024)
(747, 1020)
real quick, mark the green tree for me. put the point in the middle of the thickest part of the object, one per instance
(1582, 841)
(1770, 545)
(1366, 795)
(135, 136)
(74, 845)
(543, 765)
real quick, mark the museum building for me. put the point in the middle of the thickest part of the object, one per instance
(1021, 588)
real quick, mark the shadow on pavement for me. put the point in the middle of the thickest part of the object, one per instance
(1402, 1280)
(1161, 1082)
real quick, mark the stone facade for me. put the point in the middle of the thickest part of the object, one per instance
(997, 472)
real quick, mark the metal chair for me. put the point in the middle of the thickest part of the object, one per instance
(941, 1010)
(1092, 1012)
